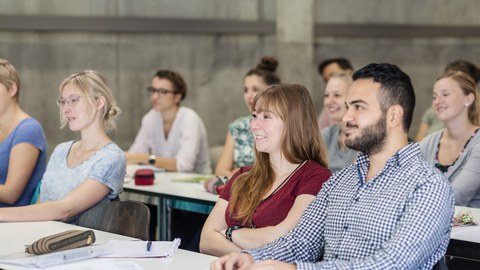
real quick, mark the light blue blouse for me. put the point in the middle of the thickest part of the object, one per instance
(107, 166)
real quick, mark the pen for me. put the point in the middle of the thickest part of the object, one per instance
(149, 245)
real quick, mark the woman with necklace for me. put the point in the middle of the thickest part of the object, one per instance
(262, 202)
(85, 173)
(23, 150)
(339, 156)
(455, 150)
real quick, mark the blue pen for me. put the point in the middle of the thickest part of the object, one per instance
(149, 245)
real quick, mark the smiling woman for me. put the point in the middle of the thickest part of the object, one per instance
(455, 150)
(264, 201)
(339, 156)
(85, 173)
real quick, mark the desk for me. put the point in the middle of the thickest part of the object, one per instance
(465, 241)
(164, 189)
(15, 235)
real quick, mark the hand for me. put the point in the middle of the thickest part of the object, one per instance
(234, 260)
(272, 265)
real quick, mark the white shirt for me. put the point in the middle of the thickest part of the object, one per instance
(187, 141)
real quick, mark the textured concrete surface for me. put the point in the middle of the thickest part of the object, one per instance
(214, 64)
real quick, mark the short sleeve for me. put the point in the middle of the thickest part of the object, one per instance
(110, 170)
(30, 132)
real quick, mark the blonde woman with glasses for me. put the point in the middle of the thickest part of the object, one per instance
(84, 173)
(23, 150)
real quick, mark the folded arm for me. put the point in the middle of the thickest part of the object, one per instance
(247, 238)
(86, 195)
(23, 158)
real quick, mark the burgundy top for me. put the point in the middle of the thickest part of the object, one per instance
(306, 180)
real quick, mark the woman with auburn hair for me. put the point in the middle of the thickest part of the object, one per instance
(455, 150)
(23, 150)
(80, 173)
(264, 201)
(238, 148)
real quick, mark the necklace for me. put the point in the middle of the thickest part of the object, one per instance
(283, 182)
(444, 168)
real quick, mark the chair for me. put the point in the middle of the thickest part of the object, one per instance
(129, 218)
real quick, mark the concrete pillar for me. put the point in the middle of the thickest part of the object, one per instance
(294, 37)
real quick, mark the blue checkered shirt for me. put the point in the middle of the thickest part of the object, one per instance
(401, 218)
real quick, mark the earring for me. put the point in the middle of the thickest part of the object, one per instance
(466, 104)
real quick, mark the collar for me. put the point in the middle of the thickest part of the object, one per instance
(401, 158)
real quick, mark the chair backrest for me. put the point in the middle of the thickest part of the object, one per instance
(129, 218)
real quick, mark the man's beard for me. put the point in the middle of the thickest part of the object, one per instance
(371, 138)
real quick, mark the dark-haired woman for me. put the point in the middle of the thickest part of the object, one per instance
(172, 137)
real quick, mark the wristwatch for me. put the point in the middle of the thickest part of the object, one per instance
(152, 159)
(228, 232)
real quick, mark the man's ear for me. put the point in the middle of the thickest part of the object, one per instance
(394, 116)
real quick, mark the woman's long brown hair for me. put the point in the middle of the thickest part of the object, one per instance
(301, 141)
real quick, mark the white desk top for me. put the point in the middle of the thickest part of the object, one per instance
(467, 233)
(15, 235)
(163, 186)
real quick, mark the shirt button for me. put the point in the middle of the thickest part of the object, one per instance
(336, 256)
(345, 227)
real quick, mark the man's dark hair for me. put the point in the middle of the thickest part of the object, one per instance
(343, 63)
(396, 88)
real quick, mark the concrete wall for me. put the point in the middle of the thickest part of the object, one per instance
(423, 58)
(214, 64)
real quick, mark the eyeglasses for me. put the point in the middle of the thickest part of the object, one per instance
(70, 101)
(159, 91)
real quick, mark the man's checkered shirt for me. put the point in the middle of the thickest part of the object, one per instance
(401, 218)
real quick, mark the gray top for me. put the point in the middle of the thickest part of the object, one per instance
(337, 158)
(107, 166)
(464, 175)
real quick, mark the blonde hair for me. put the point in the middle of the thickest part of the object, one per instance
(92, 86)
(345, 76)
(468, 86)
(301, 141)
(9, 76)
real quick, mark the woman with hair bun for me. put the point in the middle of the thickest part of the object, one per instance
(455, 149)
(85, 173)
(238, 148)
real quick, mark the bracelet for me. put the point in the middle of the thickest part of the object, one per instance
(228, 232)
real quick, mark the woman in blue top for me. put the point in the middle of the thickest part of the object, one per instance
(84, 173)
(22, 144)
